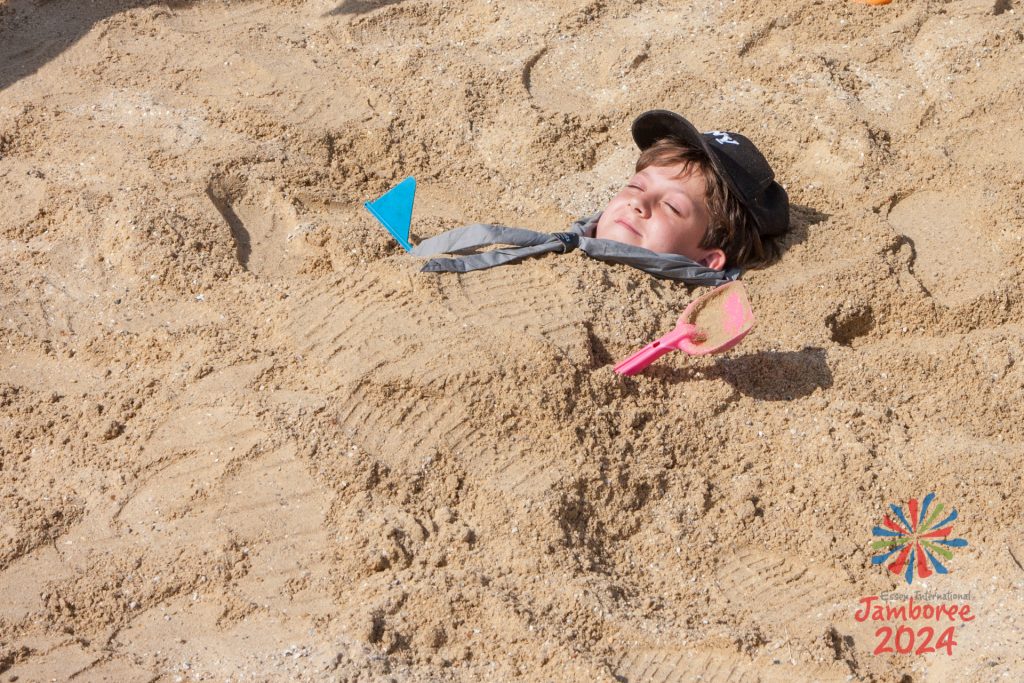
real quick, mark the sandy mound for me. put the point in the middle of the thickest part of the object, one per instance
(241, 437)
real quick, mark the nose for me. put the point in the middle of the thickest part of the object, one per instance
(639, 204)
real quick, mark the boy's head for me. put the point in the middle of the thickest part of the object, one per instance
(710, 197)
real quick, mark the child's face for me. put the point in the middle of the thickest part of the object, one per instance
(661, 210)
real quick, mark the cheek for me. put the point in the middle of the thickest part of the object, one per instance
(621, 199)
(666, 230)
(673, 237)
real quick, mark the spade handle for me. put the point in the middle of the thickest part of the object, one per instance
(656, 349)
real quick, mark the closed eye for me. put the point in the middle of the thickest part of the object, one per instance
(674, 209)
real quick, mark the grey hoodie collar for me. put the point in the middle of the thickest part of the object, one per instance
(528, 243)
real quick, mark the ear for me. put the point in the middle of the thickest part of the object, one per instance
(714, 259)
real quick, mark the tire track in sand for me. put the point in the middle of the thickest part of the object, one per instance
(375, 338)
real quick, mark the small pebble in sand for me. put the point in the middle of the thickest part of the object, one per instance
(444, 515)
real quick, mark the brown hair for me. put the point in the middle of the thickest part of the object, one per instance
(731, 228)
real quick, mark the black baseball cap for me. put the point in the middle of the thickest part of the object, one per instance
(734, 157)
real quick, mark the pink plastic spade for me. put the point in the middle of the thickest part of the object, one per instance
(712, 323)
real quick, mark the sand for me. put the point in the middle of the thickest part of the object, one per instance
(242, 438)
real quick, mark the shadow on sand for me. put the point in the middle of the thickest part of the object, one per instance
(764, 375)
(33, 32)
(359, 6)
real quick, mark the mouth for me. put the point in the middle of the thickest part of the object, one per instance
(628, 226)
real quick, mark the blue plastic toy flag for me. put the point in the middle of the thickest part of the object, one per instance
(394, 210)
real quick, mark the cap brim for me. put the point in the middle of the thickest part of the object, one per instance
(656, 124)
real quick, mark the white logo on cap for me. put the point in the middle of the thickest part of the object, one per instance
(722, 138)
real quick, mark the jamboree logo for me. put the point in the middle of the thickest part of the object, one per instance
(910, 542)
(916, 538)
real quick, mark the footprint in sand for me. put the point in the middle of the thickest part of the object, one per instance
(587, 71)
(957, 258)
(685, 664)
(269, 238)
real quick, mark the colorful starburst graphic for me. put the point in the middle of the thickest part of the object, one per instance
(916, 538)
